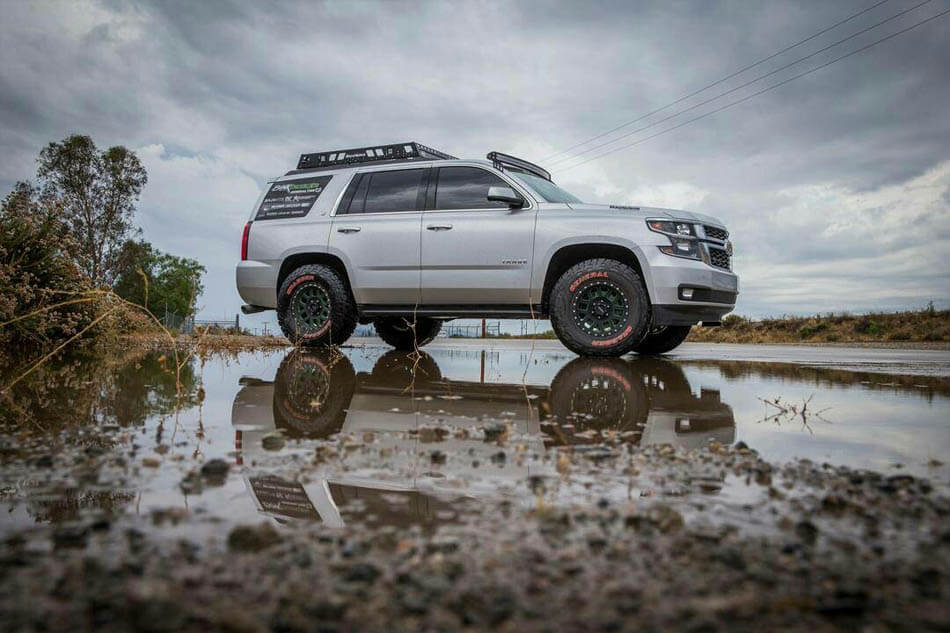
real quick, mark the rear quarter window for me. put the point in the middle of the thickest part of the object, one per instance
(291, 198)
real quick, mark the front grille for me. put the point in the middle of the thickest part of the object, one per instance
(719, 258)
(716, 233)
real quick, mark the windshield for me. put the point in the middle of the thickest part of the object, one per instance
(545, 188)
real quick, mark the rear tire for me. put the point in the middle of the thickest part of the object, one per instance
(662, 339)
(314, 308)
(399, 331)
(599, 307)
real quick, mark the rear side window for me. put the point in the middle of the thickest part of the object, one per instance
(291, 198)
(466, 188)
(387, 191)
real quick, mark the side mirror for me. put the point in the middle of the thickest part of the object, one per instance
(506, 195)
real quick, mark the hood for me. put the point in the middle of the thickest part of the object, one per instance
(673, 214)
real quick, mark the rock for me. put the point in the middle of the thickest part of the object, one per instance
(272, 442)
(495, 432)
(43, 461)
(252, 538)
(151, 462)
(70, 535)
(437, 457)
(807, 532)
(499, 458)
(215, 472)
(361, 572)
(429, 434)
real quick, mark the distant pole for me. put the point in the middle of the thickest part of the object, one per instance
(483, 329)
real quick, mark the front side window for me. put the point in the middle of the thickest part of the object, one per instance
(466, 188)
(388, 191)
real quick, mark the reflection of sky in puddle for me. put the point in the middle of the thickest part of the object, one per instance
(386, 472)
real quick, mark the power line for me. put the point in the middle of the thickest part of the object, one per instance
(755, 94)
(719, 81)
(741, 86)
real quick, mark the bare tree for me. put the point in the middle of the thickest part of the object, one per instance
(99, 191)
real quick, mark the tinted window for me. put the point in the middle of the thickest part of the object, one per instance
(467, 188)
(355, 196)
(389, 191)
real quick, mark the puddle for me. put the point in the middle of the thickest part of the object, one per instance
(375, 437)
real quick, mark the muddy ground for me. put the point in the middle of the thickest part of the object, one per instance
(583, 527)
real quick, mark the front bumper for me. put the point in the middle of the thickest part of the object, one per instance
(714, 291)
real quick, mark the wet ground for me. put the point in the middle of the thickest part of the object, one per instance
(459, 487)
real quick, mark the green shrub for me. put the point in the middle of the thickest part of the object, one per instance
(37, 271)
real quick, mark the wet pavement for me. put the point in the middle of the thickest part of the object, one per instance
(461, 439)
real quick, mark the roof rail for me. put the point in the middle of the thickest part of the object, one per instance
(391, 153)
(500, 159)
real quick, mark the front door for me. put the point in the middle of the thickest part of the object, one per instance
(377, 229)
(474, 251)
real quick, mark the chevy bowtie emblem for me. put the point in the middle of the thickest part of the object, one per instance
(729, 247)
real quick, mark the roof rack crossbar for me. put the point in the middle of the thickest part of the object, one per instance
(394, 152)
(500, 160)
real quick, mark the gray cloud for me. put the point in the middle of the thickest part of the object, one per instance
(835, 186)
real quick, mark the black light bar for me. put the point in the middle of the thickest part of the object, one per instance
(397, 151)
(500, 159)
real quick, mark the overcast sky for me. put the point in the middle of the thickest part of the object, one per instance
(836, 186)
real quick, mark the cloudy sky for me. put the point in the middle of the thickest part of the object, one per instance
(836, 186)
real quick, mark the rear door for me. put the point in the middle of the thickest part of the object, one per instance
(474, 251)
(376, 228)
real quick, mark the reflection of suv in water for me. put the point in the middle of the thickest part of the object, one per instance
(317, 393)
(407, 237)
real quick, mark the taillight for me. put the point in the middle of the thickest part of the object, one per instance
(247, 232)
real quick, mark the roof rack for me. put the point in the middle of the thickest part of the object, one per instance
(499, 159)
(391, 153)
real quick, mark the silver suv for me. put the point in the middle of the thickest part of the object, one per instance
(407, 237)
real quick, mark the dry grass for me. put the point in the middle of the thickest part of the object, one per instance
(927, 325)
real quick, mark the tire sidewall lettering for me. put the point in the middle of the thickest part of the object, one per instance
(613, 341)
(297, 282)
(597, 274)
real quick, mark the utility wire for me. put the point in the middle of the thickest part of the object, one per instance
(719, 81)
(741, 86)
(755, 94)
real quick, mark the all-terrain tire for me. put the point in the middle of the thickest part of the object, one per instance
(660, 340)
(314, 307)
(312, 392)
(398, 331)
(597, 394)
(599, 307)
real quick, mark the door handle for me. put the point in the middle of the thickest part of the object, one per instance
(348, 229)
(439, 227)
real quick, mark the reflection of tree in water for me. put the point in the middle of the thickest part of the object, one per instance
(146, 387)
(87, 388)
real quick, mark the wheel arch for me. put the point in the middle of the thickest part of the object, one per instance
(294, 261)
(570, 254)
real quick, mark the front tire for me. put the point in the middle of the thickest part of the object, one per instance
(662, 339)
(400, 333)
(599, 307)
(314, 308)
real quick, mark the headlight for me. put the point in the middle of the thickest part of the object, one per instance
(682, 235)
(672, 228)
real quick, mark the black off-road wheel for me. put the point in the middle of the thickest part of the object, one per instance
(400, 333)
(662, 339)
(599, 394)
(312, 392)
(599, 307)
(314, 308)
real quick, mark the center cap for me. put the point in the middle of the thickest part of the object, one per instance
(601, 308)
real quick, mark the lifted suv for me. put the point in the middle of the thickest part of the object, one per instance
(407, 237)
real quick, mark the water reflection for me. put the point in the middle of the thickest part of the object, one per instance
(406, 401)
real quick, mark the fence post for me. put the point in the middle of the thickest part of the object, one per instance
(237, 321)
